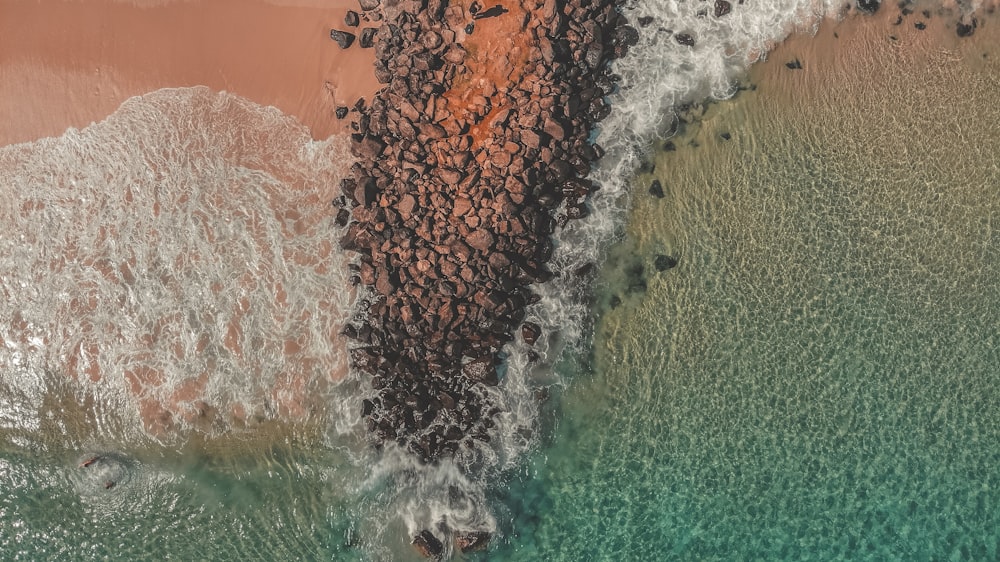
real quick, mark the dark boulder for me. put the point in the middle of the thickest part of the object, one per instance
(530, 332)
(351, 18)
(869, 6)
(722, 8)
(341, 112)
(428, 545)
(794, 65)
(966, 29)
(664, 262)
(656, 189)
(367, 37)
(472, 541)
(684, 39)
(369, 5)
(343, 38)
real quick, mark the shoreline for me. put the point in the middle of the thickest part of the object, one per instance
(470, 159)
(68, 64)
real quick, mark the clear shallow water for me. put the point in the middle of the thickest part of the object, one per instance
(818, 378)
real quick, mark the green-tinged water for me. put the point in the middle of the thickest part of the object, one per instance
(819, 377)
(272, 508)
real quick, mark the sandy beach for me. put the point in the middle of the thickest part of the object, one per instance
(69, 63)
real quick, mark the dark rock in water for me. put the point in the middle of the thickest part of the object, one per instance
(343, 217)
(367, 37)
(726, 136)
(615, 302)
(664, 262)
(920, 25)
(899, 20)
(530, 332)
(794, 65)
(351, 18)
(428, 545)
(869, 6)
(669, 146)
(684, 39)
(644, 21)
(342, 112)
(722, 8)
(470, 28)
(369, 5)
(966, 29)
(656, 190)
(472, 541)
(343, 38)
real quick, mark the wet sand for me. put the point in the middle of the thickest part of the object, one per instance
(69, 63)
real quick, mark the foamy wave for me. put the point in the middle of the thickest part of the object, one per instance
(176, 259)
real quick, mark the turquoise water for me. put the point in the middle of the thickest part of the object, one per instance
(817, 379)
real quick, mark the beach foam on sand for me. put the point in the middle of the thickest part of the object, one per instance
(69, 63)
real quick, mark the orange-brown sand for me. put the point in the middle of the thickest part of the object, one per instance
(67, 63)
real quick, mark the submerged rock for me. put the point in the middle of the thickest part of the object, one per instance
(656, 189)
(966, 29)
(868, 6)
(664, 262)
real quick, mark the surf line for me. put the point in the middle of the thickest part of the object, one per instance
(470, 158)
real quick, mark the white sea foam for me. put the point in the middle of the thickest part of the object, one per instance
(176, 257)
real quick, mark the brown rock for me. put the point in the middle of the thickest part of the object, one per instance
(481, 240)
(462, 206)
(406, 205)
(472, 541)
(481, 370)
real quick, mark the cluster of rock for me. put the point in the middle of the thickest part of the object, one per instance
(453, 202)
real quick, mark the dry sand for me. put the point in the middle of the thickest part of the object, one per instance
(66, 63)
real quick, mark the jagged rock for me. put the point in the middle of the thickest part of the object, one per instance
(530, 332)
(367, 37)
(664, 262)
(966, 29)
(343, 38)
(481, 240)
(472, 541)
(722, 7)
(684, 39)
(341, 112)
(656, 189)
(351, 18)
(481, 370)
(868, 6)
(369, 5)
(428, 545)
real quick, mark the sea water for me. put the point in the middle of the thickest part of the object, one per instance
(815, 379)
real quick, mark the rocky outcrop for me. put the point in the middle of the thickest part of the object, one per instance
(469, 159)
